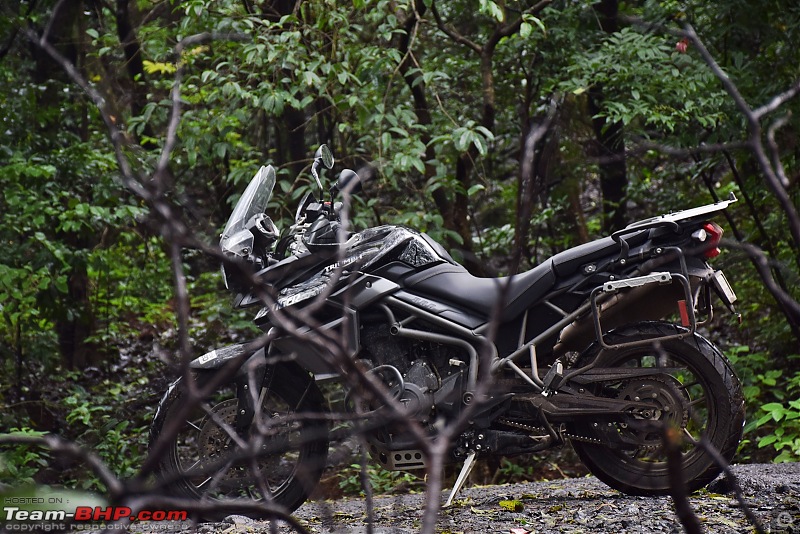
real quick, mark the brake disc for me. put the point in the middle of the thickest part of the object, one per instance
(670, 405)
(670, 401)
(215, 441)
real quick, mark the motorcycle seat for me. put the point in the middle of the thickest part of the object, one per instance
(454, 284)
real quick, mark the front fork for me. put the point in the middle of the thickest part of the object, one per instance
(250, 378)
(250, 383)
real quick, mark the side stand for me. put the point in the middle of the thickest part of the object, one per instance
(469, 463)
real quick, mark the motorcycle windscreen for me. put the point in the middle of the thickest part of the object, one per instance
(252, 202)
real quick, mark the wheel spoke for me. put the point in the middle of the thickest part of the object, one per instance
(697, 400)
(690, 437)
(191, 467)
(207, 442)
(193, 425)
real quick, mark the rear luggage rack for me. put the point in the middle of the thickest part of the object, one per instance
(685, 306)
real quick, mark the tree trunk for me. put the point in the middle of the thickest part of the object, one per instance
(73, 320)
(610, 139)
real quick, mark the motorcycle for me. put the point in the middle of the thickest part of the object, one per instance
(597, 346)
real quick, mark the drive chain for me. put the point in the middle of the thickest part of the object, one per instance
(542, 430)
(567, 435)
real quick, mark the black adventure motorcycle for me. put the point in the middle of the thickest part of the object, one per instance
(596, 345)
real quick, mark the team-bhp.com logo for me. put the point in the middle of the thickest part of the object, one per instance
(24, 520)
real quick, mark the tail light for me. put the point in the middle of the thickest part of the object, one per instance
(710, 235)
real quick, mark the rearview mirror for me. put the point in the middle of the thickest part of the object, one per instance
(349, 182)
(324, 155)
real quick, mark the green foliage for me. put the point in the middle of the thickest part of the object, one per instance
(213, 317)
(107, 415)
(19, 463)
(381, 481)
(97, 421)
(79, 251)
(785, 437)
(512, 471)
(772, 397)
(647, 81)
(777, 423)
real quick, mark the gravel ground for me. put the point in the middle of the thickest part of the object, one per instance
(772, 491)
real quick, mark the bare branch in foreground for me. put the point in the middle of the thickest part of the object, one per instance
(57, 445)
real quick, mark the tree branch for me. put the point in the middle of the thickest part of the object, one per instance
(777, 164)
(119, 140)
(451, 32)
(754, 139)
(763, 265)
(778, 101)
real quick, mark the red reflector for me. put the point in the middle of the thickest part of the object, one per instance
(714, 232)
(684, 313)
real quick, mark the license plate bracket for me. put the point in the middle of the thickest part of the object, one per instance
(723, 289)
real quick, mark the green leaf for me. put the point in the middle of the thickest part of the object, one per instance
(464, 140)
(486, 132)
(513, 505)
(61, 284)
(475, 188)
(151, 67)
(480, 144)
(767, 440)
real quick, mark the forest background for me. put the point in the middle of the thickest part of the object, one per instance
(625, 114)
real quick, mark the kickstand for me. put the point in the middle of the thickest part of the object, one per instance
(469, 463)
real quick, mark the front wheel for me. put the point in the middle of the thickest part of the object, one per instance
(204, 461)
(698, 394)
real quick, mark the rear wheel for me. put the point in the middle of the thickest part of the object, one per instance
(699, 396)
(203, 455)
